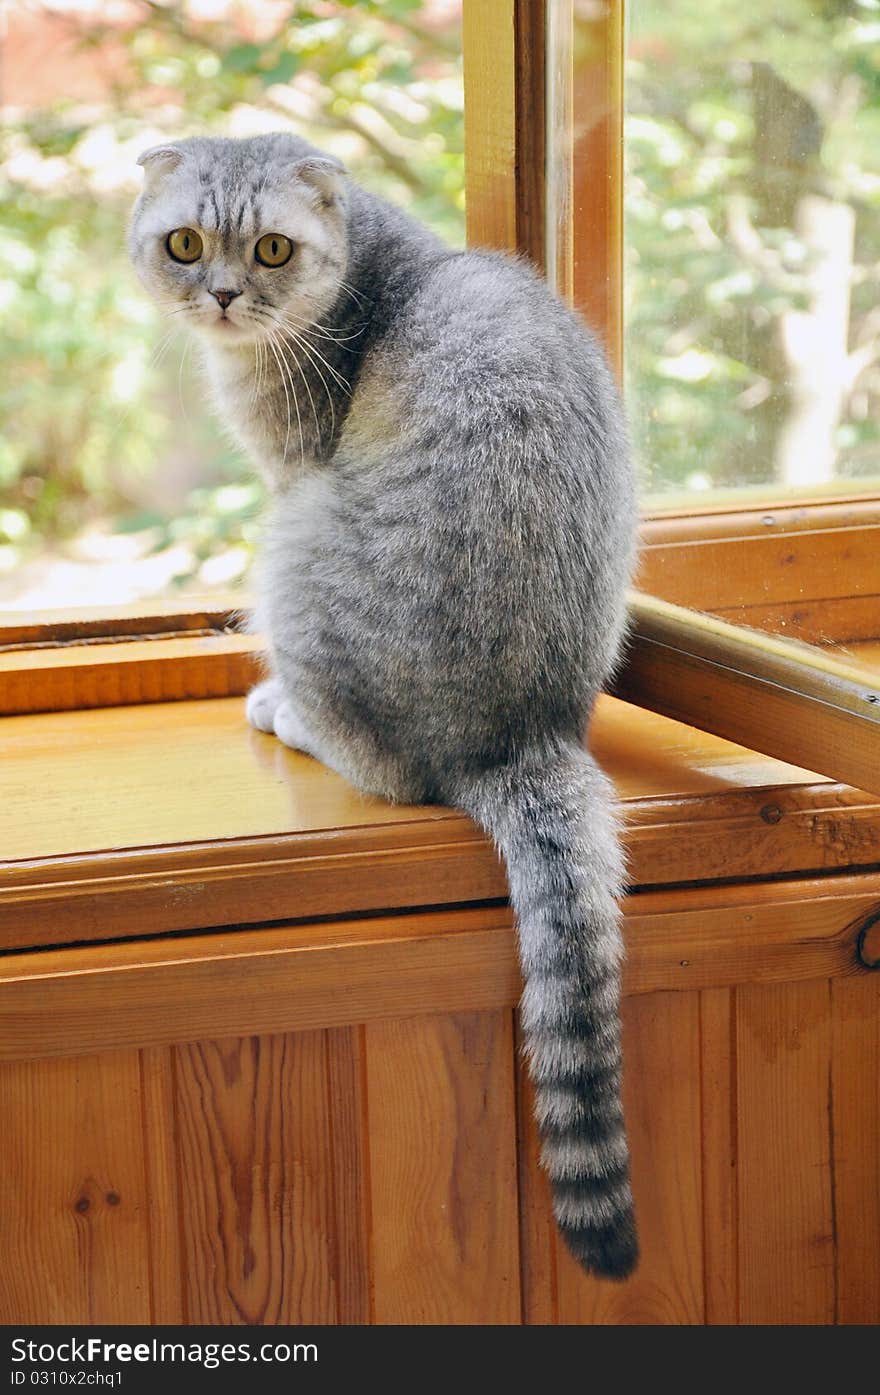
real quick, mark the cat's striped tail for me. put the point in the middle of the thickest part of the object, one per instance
(553, 818)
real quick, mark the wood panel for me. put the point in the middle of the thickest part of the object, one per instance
(144, 891)
(442, 1139)
(255, 1149)
(201, 822)
(346, 1091)
(785, 698)
(662, 1102)
(756, 1177)
(371, 1173)
(131, 671)
(762, 569)
(596, 207)
(855, 1120)
(489, 46)
(144, 618)
(159, 1144)
(786, 1213)
(192, 772)
(99, 997)
(719, 1154)
(768, 518)
(74, 1223)
(537, 1230)
(832, 622)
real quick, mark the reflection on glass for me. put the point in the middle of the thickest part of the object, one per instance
(752, 245)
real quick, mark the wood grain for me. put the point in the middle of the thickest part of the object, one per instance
(131, 671)
(662, 1102)
(832, 622)
(764, 569)
(718, 1153)
(537, 1229)
(346, 1091)
(855, 1122)
(368, 1173)
(531, 128)
(596, 206)
(74, 1229)
(770, 519)
(150, 993)
(160, 992)
(790, 700)
(63, 626)
(201, 822)
(442, 1137)
(160, 1127)
(255, 1149)
(489, 47)
(435, 860)
(786, 1218)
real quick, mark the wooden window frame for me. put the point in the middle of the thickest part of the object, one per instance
(809, 570)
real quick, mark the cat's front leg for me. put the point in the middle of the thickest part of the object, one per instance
(262, 703)
(290, 728)
(267, 709)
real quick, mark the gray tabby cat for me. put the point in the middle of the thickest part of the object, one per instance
(444, 574)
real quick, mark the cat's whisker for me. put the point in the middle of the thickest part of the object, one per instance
(329, 366)
(183, 357)
(326, 388)
(320, 330)
(356, 295)
(274, 352)
(287, 329)
(279, 319)
(330, 401)
(284, 382)
(161, 349)
(255, 385)
(304, 328)
(172, 307)
(264, 367)
(285, 339)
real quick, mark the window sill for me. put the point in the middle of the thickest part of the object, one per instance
(128, 822)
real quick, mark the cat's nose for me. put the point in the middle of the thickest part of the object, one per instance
(225, 298)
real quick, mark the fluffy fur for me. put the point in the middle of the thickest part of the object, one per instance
(443, 581)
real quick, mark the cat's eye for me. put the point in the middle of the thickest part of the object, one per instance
(184, 245)
(274, 249)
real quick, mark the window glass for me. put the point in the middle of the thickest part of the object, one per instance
(752, 246)
(115, 483)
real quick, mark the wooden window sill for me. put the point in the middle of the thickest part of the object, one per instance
(128, 822)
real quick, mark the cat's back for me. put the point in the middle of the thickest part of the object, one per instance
(486, 325)
(485, 464)
(483, 360)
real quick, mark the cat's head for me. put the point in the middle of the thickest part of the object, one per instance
(241, 239)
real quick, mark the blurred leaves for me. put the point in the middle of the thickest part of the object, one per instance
(736, 113)
(104, 419)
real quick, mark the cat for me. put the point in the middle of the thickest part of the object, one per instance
(444, 575)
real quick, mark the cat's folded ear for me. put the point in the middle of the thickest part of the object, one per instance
(158, 161)
(323, 173)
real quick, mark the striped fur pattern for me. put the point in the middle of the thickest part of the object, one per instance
(552, 816)
(444, 569)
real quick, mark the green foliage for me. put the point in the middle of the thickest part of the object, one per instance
(737, 112)
(104, 420)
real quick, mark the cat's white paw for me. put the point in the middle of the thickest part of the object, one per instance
(289, 728)
(262, 703)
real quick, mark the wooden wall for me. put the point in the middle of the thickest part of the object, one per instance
(385, 1172)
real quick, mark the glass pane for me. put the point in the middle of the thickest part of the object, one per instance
(115, 482)
(752, 246)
